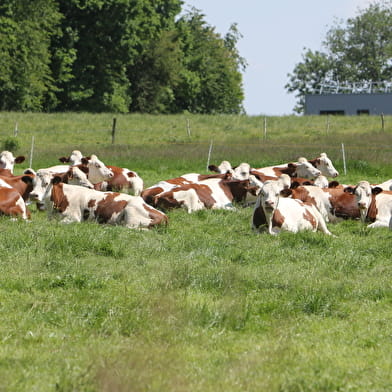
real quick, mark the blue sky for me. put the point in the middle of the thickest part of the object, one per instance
(275, 34)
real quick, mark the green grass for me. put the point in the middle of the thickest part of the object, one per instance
(203, 304)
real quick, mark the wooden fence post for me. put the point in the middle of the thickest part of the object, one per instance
(209, 155)
(114, 129)
(382, 121)
(31, 152)
(344, 160)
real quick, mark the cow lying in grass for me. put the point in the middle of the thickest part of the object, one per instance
(374, 204)
(11, 202)
(280, 213)
(76, 203)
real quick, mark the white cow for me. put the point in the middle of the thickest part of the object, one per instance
(286, 214)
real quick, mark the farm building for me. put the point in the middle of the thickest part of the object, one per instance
(370, 98)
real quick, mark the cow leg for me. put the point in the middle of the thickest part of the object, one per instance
(379, 223)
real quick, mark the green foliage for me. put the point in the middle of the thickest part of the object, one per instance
(11, 144)
(115, 56)
(359, 50)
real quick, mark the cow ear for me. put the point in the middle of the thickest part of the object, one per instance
(82, 168)
(376, 190)
(291, 165)
(64, 159)
(56, 180)
(27, 179)
(349, 189)
(20, 159)
(84, 161)
(307, 183)
(295, 184)
(286, 192)
(333, 184)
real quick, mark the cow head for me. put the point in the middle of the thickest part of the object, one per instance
(270, 193)
(305, 169)
(76, 176)
(74, 159)
(97, 170)
(40, 184)
(241, 172)
(7, 160)
(324, 164)
(224, 167)
(364, 194)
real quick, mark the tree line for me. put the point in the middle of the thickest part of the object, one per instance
(148, 56)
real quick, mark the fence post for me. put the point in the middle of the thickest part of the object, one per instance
(31, 152)
(209, 155)
(382, 121)
(344, 160)
(114, 129)
(188, 127)
(265, 128)
(16, 129)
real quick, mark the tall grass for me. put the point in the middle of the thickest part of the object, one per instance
(203, 304)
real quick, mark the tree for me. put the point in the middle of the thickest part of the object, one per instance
(26, 29)
(211, 81)
(359, 51)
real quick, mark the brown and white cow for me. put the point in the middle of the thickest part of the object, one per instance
(374, 204)
(333, 203)
(287, 214)
(12, 203)
(149, 193)
(17, 182)
(302, 168)
(124, 180)
(8, 160)
(213, 193)
(76, 204)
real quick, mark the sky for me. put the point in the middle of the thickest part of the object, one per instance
(274, 35)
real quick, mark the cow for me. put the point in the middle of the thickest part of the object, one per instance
(12, 203)
(302, 168)
(213, 193)
(8, 160)
(17, 182)
(124, 180)
(333, 203)
(287, 214)
(186, 179)
(97, 172)
(74, 203)
(374, 204)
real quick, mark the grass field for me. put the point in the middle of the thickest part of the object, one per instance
(203, 304)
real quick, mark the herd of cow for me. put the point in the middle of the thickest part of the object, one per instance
(294, 196)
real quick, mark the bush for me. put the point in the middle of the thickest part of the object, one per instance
(10, 144)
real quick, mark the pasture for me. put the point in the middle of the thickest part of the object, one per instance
(203, 304)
